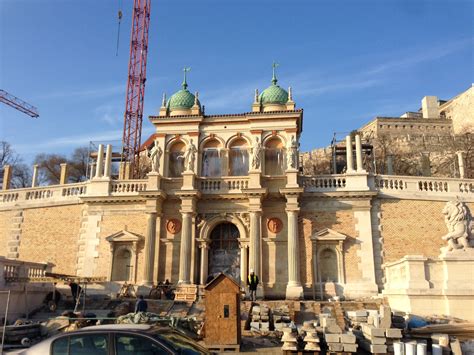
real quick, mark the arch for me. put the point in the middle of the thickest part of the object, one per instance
(174, 140)
(224, 250)
(209, 139)
(175, 156)
(211, 158)
(238, 156)
(274, 162)
(271, 136)
(235, 137)
(209, 225)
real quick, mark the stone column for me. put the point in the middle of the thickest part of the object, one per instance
(255, 242)
(108, 161)
(100, 161)
(243, 264)
(185, 251)
(360, 164)
(462, 172)
(63, 177)
(7, 176)
(34, 179)
(349, 158)
(92, 171)
(150, 249)
(204, 263)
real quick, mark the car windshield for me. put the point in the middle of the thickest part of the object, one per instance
(179, 342)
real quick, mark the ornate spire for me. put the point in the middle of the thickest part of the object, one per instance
(274, 78)
(290, 94)
(185, 84)
(256, 96)
(163, 101)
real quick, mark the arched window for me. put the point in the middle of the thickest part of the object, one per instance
(176, 159)
(274, 157)
(239, 158)
(211, 164)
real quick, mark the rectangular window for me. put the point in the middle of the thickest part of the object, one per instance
(226, 311)
(176, 164)
(238, 162)
(211, 163)
(93, 344)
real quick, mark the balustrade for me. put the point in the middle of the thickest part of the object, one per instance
(15, 270)
(225, 184)
(127, 187)
(324, 183)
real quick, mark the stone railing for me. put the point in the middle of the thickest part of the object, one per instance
(421, 186)
(127, 187)
(223, 185)
(54, 193)
(323, 183)
(16, 270)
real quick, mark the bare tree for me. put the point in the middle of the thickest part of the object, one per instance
(49, 168)
(21, 174)
(78, 164)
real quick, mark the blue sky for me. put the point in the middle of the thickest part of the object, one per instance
(346, 61)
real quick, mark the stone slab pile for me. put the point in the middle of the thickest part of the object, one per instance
(281, 317)
(289, 339)
(311, 338)
(260, 318)
(344, 342)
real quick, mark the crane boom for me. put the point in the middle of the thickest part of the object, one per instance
(18, 104)
(132, 128)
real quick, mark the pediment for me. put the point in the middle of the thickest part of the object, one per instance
(124, 236)
(328, 234)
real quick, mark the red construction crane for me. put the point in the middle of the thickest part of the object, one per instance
(132, 126)
(18, 104)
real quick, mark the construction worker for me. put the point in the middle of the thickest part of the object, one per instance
(141, 305)
(252, 282)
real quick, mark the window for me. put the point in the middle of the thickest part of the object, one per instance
(239, 158)
(132, 344)
(176, 159)
(87, 344)
(274, 157)
(211, 159)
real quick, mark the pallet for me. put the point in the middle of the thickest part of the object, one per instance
(223, 348)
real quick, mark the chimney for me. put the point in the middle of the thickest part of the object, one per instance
(430, 107)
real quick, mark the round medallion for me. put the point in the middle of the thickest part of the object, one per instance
(274, 225)
(173, 226)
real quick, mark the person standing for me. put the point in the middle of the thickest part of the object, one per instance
(75, 290)
(141, 305)
(252, 282)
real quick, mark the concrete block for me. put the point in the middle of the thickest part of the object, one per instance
(255, 325)
(372, 312)
(264, 318)
(348, 338)
(332, 329)
(378, 349)
(255, 317)
(264, 326)
(378, 340)
(326, 321)
(385, 317)
(332, 338)
(393, 333)
(350, 348)
(335, 347)
(371, 331)
(361, 313)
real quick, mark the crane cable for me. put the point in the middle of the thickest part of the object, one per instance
(119, 14)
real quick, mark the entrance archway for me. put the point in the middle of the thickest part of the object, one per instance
(122, 264)
(224, 250)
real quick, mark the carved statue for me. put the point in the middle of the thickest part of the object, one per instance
(155, 156)
(460, 226)
(292, 153)
(256, 154)
(190, 156)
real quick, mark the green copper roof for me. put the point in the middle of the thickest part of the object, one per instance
(183, 99)
(274, 94)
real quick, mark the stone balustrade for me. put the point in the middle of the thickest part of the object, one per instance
(15, 270)
(227, 184)
(323, 183)
(127, 187)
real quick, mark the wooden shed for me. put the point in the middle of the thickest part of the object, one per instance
(222, 320)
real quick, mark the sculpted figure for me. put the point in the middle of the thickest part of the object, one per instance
(458, 220)
(155, 156)
(256, 154)
(292, 153)
(190, 156)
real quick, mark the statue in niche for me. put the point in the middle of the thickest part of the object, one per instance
(190, 156)
(460, 226)
(292, 153)
(256, 154)
(155, 156)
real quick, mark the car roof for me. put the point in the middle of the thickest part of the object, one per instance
(117, 327)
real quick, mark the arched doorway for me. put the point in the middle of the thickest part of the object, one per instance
(224, 251)
(122, 264)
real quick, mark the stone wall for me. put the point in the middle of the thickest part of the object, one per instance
(461, 111)
(412, 227)
(50, 234)
(5, 227)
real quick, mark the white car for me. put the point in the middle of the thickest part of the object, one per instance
(118, 339)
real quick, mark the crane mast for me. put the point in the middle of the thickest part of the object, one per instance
(18, 104)
(132, 128)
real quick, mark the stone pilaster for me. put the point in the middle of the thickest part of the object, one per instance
(63, 176)
(204, 248)
(34, 179)
(243, 263)
(150, 248)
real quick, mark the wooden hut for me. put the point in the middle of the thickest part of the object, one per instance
(222, 321)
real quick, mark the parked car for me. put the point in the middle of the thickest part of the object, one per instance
(118, 339)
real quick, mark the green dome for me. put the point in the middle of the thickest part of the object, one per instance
(183, 99)
(274, 94)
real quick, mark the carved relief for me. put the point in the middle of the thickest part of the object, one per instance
(274, 225)
(458, 220)
(173, 226)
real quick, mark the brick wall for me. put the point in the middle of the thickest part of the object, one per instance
(51, 234)
(412, 227)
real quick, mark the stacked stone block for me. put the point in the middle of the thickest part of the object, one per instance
(15, 234)
(289, 339)
(281, 317)
(311, 337)
(260, 318)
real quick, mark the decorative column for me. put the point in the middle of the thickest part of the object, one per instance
(243, 264)
(349, 158)
(360, 165)
(63, 176)
(7, 176)
(255, 242)
(462, 172)
(100, 161)
(150, 248)
(294, 290)
(34, 179)
(185, 251)
(204, 262)
(108, 161)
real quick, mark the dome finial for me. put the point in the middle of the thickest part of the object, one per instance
(274, 79)
(185, 84)
(163, 102)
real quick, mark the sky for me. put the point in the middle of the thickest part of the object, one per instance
(347, 61)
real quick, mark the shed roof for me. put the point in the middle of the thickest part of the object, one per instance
(219, 278)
